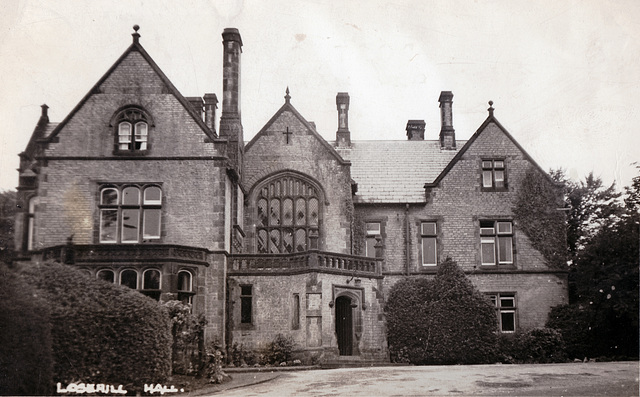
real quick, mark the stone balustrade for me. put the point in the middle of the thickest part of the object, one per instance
(313, 260)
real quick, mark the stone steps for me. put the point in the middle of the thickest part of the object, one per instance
(356, 362)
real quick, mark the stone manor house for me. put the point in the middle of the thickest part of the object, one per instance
(287, 233)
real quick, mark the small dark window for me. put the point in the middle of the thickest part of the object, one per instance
(129, 278)
(295, 324)
(151, 283)
(107, 275)
(373, 231)
(246, 304)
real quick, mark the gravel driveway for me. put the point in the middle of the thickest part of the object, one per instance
(576, 379)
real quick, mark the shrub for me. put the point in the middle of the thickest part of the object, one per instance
(279, 350)
(101, 332)
(187, 331)
(213, 364)
(26, 360)
(539, 345)
(444, 321)
(241, 357)
(577, 326)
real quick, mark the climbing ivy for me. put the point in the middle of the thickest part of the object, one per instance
(536, 212)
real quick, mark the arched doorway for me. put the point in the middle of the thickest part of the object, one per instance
(344, 325)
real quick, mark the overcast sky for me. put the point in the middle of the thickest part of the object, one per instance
(564, 75)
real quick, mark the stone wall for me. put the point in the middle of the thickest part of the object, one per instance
(273, 308)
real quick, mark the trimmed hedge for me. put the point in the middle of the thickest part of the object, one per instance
(539, 345)
(441, 321)
(101, 332)
(26, 361)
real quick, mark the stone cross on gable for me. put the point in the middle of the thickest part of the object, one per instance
(288, 134)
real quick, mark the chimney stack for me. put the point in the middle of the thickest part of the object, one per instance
(343, 136)
(415, 130)
(230, 121)
(232, 43)
(210, 106)
(447, 133)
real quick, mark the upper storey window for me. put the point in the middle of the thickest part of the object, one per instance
(288, 214)
(132, 127)
(130, 214)
(493, 175)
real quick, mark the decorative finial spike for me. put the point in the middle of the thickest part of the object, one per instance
(287, 97)
(135, 34)
(490, 108)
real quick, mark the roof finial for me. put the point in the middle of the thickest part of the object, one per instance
(490, 108)
(287, 97)
(136, 35)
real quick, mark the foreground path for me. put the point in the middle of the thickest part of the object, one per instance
(578, 379)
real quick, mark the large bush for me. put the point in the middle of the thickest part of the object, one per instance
(26, 361)
(102, 333)
(441, 321)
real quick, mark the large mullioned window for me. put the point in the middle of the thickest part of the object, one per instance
(496, 240)
(130, 214)
(288, 212)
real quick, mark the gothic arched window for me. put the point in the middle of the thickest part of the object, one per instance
(288, 212)
(132, 131)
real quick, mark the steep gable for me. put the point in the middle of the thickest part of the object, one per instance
(133, 80)
(501, 140)
(289, 128)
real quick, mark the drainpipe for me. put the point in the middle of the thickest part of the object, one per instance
(407, 238)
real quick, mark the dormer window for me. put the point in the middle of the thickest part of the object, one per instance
(132, 131)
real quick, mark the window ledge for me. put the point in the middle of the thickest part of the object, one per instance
(498, 267)
(134, 153)
(494, 189)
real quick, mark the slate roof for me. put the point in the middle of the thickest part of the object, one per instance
(396, 171)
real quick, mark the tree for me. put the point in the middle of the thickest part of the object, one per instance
(591, 206)
(7, 219)
(604, 241)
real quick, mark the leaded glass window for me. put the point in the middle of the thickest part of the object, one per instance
(288, 209)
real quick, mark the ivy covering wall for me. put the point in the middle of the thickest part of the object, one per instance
(538, 213)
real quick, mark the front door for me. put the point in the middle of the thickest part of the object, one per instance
(344, 326)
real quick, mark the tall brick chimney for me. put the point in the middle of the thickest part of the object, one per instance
(230, 120)
(415, 130)
(343, 136)
(447, 133)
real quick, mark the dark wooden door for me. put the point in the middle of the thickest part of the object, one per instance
(344, 326)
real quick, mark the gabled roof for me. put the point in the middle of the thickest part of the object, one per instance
(483, 126)
(136, 46)
(289, 107)
(395, 171)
